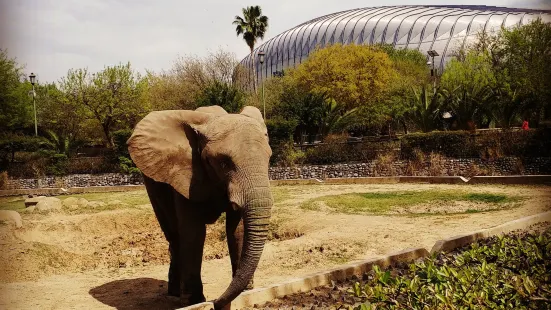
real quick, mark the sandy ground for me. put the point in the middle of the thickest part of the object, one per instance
(118, 259)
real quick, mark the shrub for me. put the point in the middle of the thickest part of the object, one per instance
(288, 156)
(333, 150)
(447, 143)
(119, 139)
(126, 165)
(280, 130)
(488, 145)
(280, 134)
(57, 165)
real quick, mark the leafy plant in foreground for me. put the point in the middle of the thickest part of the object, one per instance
(511, 272)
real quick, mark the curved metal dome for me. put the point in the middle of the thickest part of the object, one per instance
(439, 28)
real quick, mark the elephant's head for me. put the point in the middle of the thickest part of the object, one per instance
(206, 152)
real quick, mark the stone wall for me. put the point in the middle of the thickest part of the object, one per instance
(433, 167)
(76, 180)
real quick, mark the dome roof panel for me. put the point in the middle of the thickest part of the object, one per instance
(442, 28)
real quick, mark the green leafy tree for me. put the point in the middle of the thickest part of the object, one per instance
(16, 109)
(253, 25)
(410, 72)
(62, 119)
(353, 75)
(469, 90)
(115, 97)
(225, 95)
(519, 58)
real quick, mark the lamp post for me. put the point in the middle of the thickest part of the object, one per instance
(261, 59)
(433, 53)
(32, 78)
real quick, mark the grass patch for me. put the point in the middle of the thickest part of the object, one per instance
(382, 203)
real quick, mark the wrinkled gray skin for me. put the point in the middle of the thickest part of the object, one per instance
(196, 165)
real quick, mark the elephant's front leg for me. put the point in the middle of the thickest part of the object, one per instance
(192, 233)
(235, 234)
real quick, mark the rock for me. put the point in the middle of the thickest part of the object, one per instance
(49, 204)
(73, 202)
(95, 204)
(33, 200)
(11, 216)
(30, 209)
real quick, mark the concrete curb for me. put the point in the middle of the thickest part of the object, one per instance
(363, 180)
(309, 282)
(511, 179)
(450, 244)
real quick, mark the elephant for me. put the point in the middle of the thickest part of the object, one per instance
(196, 165)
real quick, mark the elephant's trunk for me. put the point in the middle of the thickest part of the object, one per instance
(256, 218)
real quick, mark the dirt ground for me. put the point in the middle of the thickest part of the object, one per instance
(118, 258)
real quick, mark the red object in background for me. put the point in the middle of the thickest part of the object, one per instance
(525, 125)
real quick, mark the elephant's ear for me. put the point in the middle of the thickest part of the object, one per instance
(213, 109)
(253, 112)
(164, 146)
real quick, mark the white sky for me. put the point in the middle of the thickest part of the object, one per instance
(51, 36)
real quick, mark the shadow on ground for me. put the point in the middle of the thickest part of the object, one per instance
(138, 294)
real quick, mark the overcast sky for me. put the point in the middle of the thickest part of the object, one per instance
(51, 36)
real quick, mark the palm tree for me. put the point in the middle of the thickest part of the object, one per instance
(252, 25)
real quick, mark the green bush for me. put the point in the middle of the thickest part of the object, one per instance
(511, 272)
(13, 143)
(126, 165)
(57, 165)
(119, 138)
(280, 134)
(280, 130)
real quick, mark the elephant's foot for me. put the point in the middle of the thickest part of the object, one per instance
(173, 290)
(188, 299)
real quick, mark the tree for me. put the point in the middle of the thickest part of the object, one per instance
(16, 109)
(410, 74)
(225, 95)
(353, 75)
(63, 120)
(117, 99)
(524, 54)
(519, 59)
(469, 90)
(184, 83)
(252, 25)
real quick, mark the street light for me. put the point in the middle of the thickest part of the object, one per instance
(433, 53)
(261, 55)
(32, 78)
